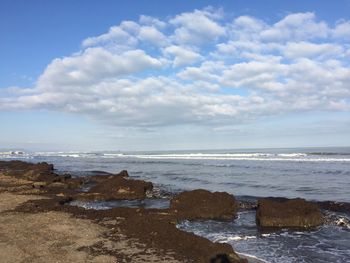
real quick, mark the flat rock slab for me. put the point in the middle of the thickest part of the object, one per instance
(58, 237)
(117, 187)
(293, 213)
(39, 229)
(202, 204)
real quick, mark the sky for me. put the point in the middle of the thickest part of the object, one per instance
(174, 75)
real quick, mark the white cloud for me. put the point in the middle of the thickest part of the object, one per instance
(236, 48)
(116, 35)
(207, 71)
(307, 49)
(246, 28)
(342, 30)
(152, 21)
(252, 74)
(223, 72)
(130, 26)
(299, 26)
(248, 23)
(151, 34)
(92, 66)
(197, 27)
(183, 56)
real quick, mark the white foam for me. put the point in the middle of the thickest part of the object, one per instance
(342, 221)
(253, 157)
(233, 238)
(258, 156)
(292, 154)
(15, 155)
(113, 155)
(72, 154)
(251, 257)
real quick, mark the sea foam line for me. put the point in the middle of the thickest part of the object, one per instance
(225, 157)
(290, 157)
(251, 257)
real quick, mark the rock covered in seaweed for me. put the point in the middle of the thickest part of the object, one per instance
(30, 171)
(116, 187)
(35, 178)
(342, 207)
(202, 204)
(281, 212)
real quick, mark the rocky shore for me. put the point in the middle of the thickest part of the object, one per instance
(37, 224)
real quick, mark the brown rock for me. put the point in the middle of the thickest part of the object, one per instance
(58, 185)
(39, 185)
(123, 173)
(118, 187)
(74, 183)
(160, 240)
(103, 176)
(288, 213)
(43, 167)
(335, 206)
(19, 166)
(90, 197)
(202, 204)
(38, 171)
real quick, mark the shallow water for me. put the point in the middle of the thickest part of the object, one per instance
(328, 243)
(103, 205)
(315, 174)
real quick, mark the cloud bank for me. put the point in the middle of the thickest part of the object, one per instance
(198, 68)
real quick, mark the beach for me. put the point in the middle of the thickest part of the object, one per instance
(38, 226)
(175, 131)
(149, 231)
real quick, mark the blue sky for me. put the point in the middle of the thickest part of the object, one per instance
(159, 75)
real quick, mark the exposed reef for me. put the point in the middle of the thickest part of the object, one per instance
(129, 234)
(202, 204)
(293, 213)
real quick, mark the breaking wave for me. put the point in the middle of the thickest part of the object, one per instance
(316, 156)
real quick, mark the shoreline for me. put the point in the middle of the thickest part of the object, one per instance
(116, 235)
(124, 234)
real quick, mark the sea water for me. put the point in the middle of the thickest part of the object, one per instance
(316, 174)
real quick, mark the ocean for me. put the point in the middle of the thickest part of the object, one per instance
(316, 174)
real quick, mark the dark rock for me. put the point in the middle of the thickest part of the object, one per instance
(296, 213)
(202, 204)
(44, 167)
(103, 176)
(335, 206)
(39, 185)
(67, 176)
(74, 183)
(245, 205)
(152, 227)
(224, 258)
(118, 187)
(65, 200)
(92, 197)
(97, 172)
(123, 173)
(14, 166)
(57, 185)
(29, 171)
(155, 227)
